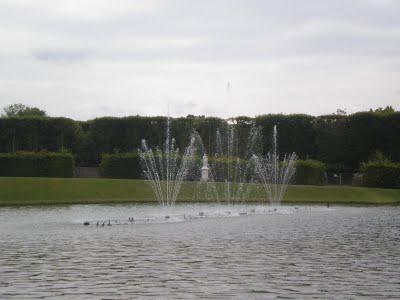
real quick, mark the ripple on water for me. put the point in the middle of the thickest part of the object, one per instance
(298, 253)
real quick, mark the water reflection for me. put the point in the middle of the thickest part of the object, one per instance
(297, 253)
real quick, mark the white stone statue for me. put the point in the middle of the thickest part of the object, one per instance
(205, 169)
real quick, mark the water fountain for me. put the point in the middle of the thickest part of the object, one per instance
(166, 169)
(217, 181)
(275, 174)
(228, 175)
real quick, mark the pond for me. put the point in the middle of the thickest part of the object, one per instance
(193, 251)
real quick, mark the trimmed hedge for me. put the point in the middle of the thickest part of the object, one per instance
(356, 135)
(36, 164)
(125, 165)
(121, 165)
(381, 174)
(128, 165)
(310, 172)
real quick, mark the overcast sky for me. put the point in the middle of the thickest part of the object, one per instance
(90, 58)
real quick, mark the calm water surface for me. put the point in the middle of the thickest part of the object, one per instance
(244, 252)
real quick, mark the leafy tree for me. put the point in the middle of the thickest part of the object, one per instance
(21, 110)
(341, 112)
(387, 110)
(379, 157)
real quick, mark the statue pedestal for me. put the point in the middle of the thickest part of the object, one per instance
(204, 173)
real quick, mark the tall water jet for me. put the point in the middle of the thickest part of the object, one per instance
(275, 174)
(166, 169)
(229, 167)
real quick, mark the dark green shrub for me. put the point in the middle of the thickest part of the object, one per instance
(380, 171)
(121, 165)
(310, 172)
(381, 175)
(36, 164)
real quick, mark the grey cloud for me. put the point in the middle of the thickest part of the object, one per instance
(185, 107)
(256, 44)
(214, 18)
(227, 29)
(233, 30)
(62, 55)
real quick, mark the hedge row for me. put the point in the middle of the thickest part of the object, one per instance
(377, 174)
(357, 135)
(36, 164)
(310, 172)
(121, 165)
(127, 165)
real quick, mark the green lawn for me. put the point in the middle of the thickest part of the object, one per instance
(43, 191)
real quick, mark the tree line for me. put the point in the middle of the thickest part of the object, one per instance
(341, 141)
